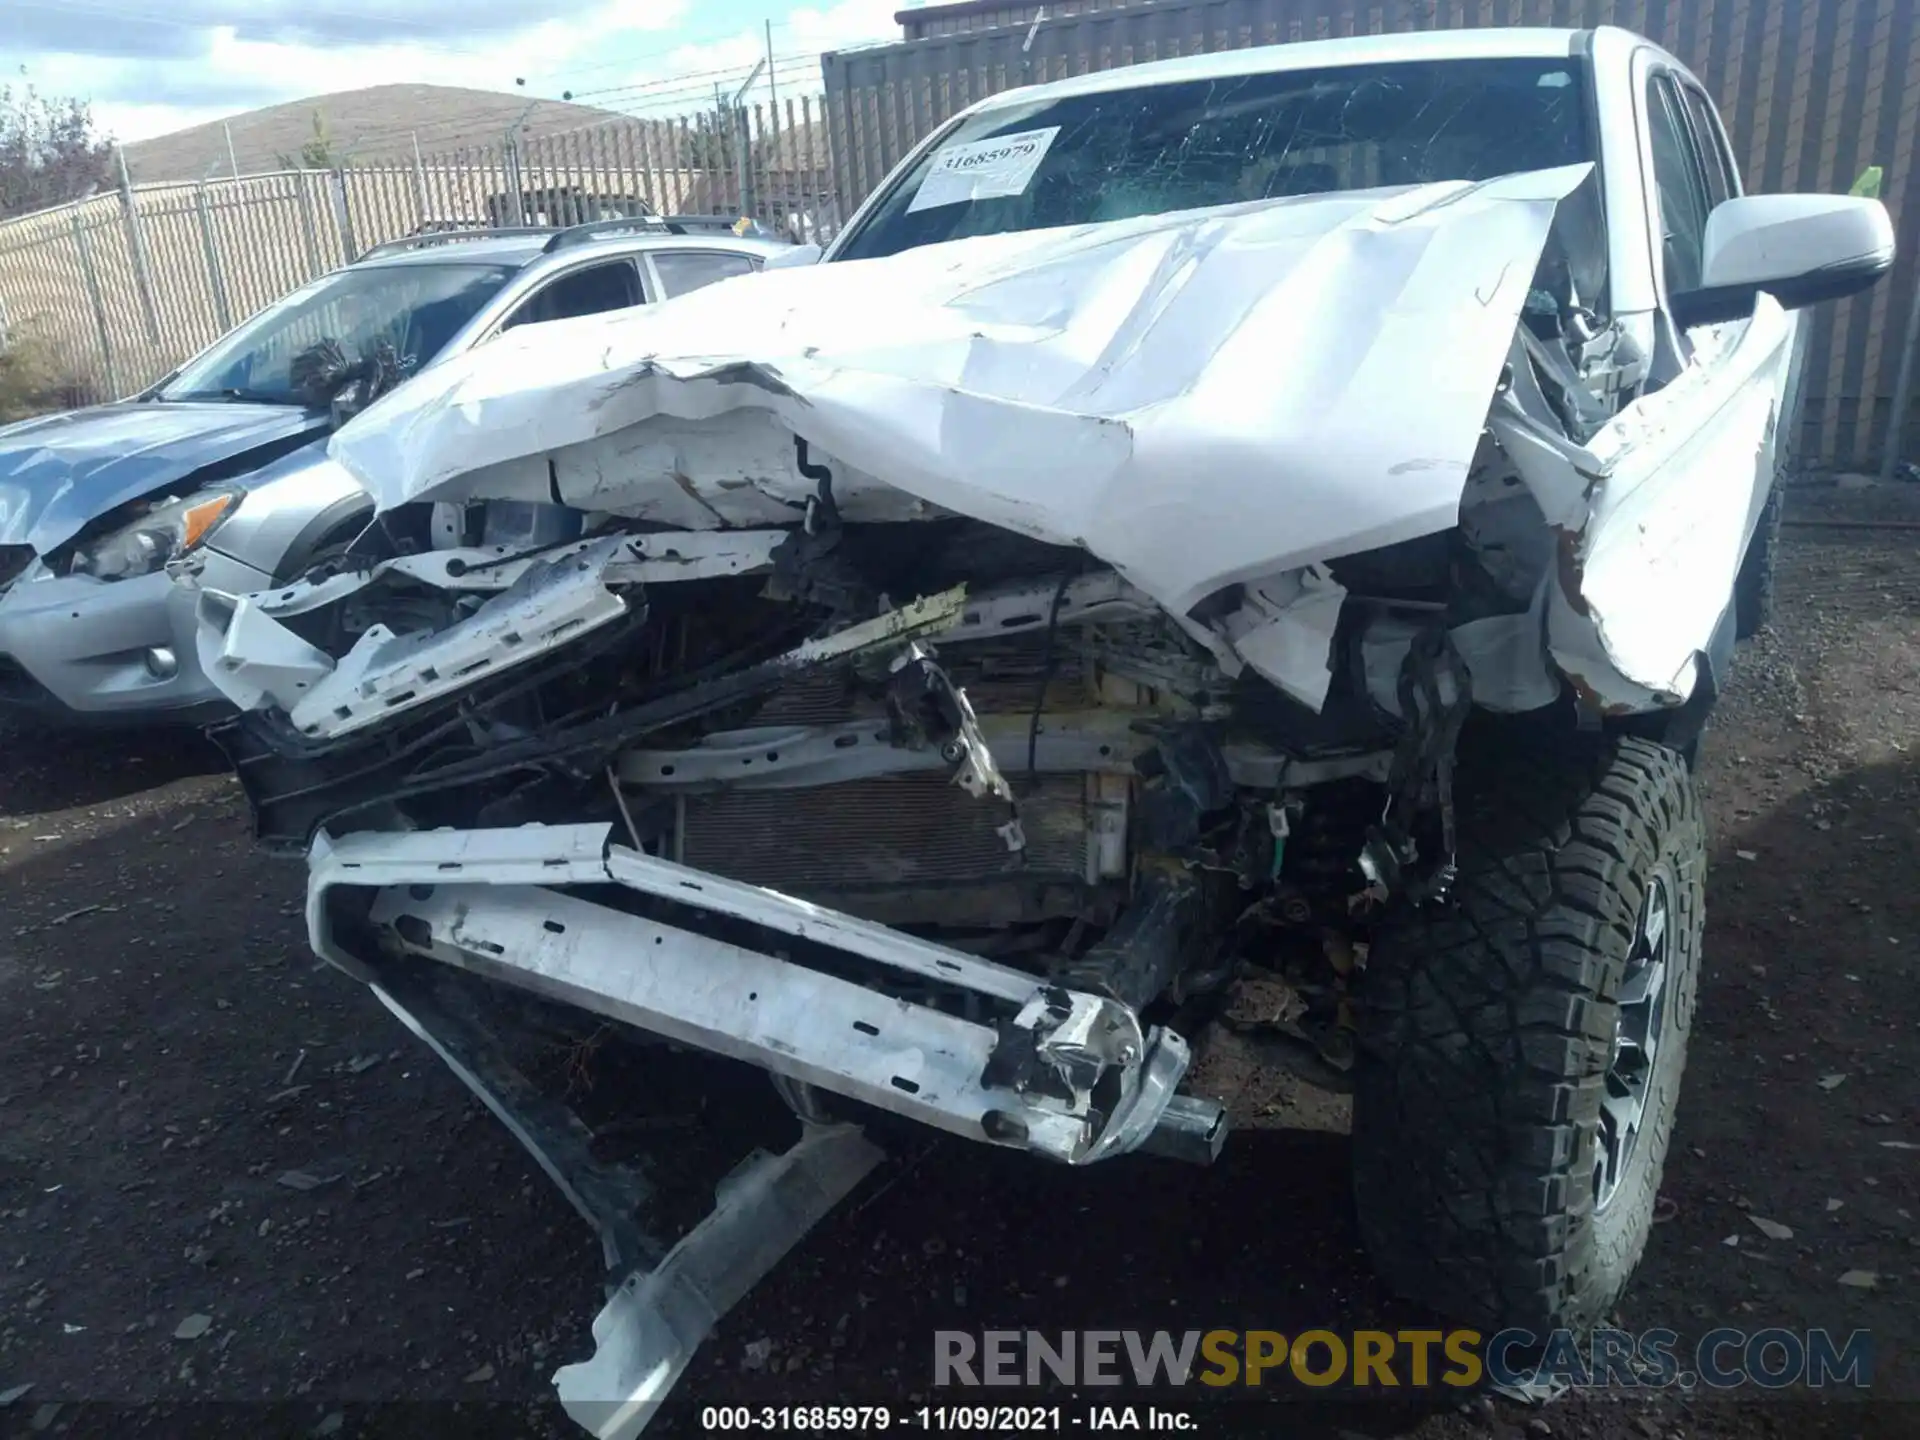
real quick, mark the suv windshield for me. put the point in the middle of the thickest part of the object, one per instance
(416, 308)
(1196, 143)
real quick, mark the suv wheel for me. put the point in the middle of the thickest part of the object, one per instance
(1522, 1046)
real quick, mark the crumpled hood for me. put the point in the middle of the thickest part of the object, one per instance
(1197, 399)
(59, 472)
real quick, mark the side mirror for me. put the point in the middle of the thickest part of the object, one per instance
(792, 256)
(1800, 249)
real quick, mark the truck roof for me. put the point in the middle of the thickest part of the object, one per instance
(1491, 43)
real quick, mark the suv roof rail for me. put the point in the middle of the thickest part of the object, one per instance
(560, 237)
(671, 224)
(449, 237)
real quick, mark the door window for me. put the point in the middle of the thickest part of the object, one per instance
(1680, 185)
(1723, 179)
(586, 291)
(682, 270)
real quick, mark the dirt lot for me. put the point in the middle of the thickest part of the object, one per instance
(170, 1050)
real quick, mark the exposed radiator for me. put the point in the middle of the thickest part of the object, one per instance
(919, 832)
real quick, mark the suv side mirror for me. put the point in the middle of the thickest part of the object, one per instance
(792, 256)
(1800, 249)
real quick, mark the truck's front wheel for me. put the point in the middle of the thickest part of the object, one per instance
(1522, 1047)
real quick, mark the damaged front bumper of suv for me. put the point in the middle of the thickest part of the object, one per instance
(837, 1008)
(926, 698)
(753, 975)
(745, 972)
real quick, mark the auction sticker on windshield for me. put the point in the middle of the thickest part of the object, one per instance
(983, 169)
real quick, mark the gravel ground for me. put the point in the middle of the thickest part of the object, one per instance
(171, 1052)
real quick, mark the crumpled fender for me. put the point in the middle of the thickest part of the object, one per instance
(1653, 514)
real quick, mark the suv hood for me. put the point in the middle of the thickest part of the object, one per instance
(60, 472)
(1198, 398)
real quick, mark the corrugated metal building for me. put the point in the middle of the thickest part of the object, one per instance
(1813, 91)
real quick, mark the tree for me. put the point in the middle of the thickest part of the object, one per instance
(318, 152)
(49, 151)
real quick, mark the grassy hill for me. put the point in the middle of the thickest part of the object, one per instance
(377, 123)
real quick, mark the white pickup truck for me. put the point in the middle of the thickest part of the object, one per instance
(1272, 519)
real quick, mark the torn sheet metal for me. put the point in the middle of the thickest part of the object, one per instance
(1284, 630)
(645, 1336)
(554, 602)
(1654, 513)
(250, 656)
(1198, 399)
(1506, 656)
(538, 603)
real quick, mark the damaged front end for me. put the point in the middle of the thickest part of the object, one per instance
(636, 712)
(948, 708)
(895, 862)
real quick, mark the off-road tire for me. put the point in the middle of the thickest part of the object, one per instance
(1753, 587)
(1486, 1028)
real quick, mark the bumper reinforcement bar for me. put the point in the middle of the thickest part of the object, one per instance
(1063, 1073)
(493, 903)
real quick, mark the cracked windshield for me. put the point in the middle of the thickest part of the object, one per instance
(1152, 150)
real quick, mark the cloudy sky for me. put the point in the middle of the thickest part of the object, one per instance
(150, 66)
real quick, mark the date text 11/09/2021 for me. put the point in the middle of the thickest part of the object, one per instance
(980, 1419)
(977, 1419)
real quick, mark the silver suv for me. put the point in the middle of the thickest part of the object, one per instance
(223, 464)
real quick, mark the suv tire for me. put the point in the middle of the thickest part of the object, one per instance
(1490, 1176)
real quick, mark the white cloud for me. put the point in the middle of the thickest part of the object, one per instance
(138, 122)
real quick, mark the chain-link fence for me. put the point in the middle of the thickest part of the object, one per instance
(123, 286)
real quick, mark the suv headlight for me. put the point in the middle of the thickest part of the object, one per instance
(161, 533)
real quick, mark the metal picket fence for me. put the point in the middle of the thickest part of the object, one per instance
(123, 286)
